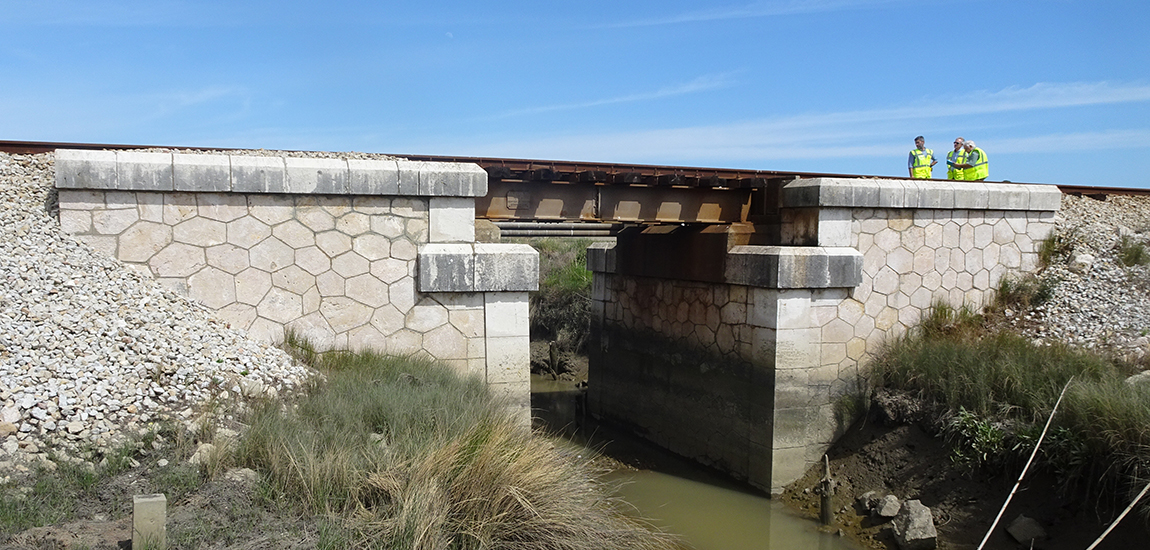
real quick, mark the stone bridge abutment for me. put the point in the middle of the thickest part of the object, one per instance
(738, 345)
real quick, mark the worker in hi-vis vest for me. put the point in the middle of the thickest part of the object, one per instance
(975, 167)
(921, 162)
(954, 158)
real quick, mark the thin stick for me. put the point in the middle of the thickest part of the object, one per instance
(1124, 512)
(1032, 455)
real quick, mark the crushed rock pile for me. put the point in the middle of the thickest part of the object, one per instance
(91, 351)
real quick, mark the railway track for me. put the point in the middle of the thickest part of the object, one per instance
(554, 171)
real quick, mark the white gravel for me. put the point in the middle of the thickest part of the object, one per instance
(90, 350)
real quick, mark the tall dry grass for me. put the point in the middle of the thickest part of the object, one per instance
(409, 455)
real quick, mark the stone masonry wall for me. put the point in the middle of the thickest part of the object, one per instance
(793, 322)
(254, 239)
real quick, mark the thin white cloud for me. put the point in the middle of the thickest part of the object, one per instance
(700, 84)
(847, 134)
(756, 10)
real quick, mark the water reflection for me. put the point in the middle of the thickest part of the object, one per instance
(709, 511)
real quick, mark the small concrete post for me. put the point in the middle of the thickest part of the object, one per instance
(149, 522)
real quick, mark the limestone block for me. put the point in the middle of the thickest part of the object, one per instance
(312, 260)
(365, 338)
(451, 219)
(271, 255)
(402, 293)
(353, 223)
(390, 270)
(251, 174)
(506, 267)
(372, 246)
(373, 177)
(315, 328)
(200, 231)
(901, 261)
(446, 343)
(446, 268)
(179, 207)
(142, 241)
(344, 314)
(280, 305)
(787, 465)
(247, 232)
(223, 207)
(271, 209)
(203, 173)
(508, 359)
(112, 222)
(506, 314)
(388, 226)
(892, 194)
(797, 348)
(971, 195)
(1045, 198)
(178, 260)
(333, 243)
(834, 227)
(77, 169)
(316, 175)
(74, 221)
(367, 290)
(293, 279)
(936, 195)
(294, 234)
(350, 264)
(388, 320)
(149, 521)
(451, 179)
(252, 285)
(212, 287)
(237, 315)
(912, 192)
(315, 217)
(601, 257)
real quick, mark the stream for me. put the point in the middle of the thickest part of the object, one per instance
(708, 510)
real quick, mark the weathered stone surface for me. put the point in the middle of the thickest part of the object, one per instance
(914, 527)
(888, 506)
(1026, 530)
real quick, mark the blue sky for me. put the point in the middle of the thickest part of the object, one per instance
(1055, 91)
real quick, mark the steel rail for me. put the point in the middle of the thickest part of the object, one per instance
(560, 171)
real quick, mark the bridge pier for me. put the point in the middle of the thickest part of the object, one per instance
(741, 346)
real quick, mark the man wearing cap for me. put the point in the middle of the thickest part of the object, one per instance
(975, 167)
(921, 162)
(953, 158)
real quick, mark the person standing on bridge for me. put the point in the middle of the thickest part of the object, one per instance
(921, 162)
(975, 167)
(955, 157)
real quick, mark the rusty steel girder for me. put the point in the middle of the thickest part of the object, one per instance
(535, 200)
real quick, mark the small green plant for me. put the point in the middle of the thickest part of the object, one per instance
(1054, 247)
(1023, 292)
(1132, 252)
(976, 442)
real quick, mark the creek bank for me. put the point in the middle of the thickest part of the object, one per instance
(909, 461)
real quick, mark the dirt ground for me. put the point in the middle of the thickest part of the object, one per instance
(910, 463)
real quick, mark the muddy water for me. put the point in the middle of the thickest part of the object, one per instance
(708, 510)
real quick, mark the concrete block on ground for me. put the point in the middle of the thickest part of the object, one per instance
(1026, 530)
(211, 173)
(77, 169)
(252, 174)
(149, 521)
(1045, 198)
(373, 177)
(316, 175)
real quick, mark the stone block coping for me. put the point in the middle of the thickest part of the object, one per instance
(222, 173)
(478, 267)
(930, 194)
(794, 266)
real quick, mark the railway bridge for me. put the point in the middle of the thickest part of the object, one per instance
(732, 316)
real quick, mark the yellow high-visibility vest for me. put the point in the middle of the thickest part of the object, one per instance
(979, 169)
(952, 158)
(921, 168)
